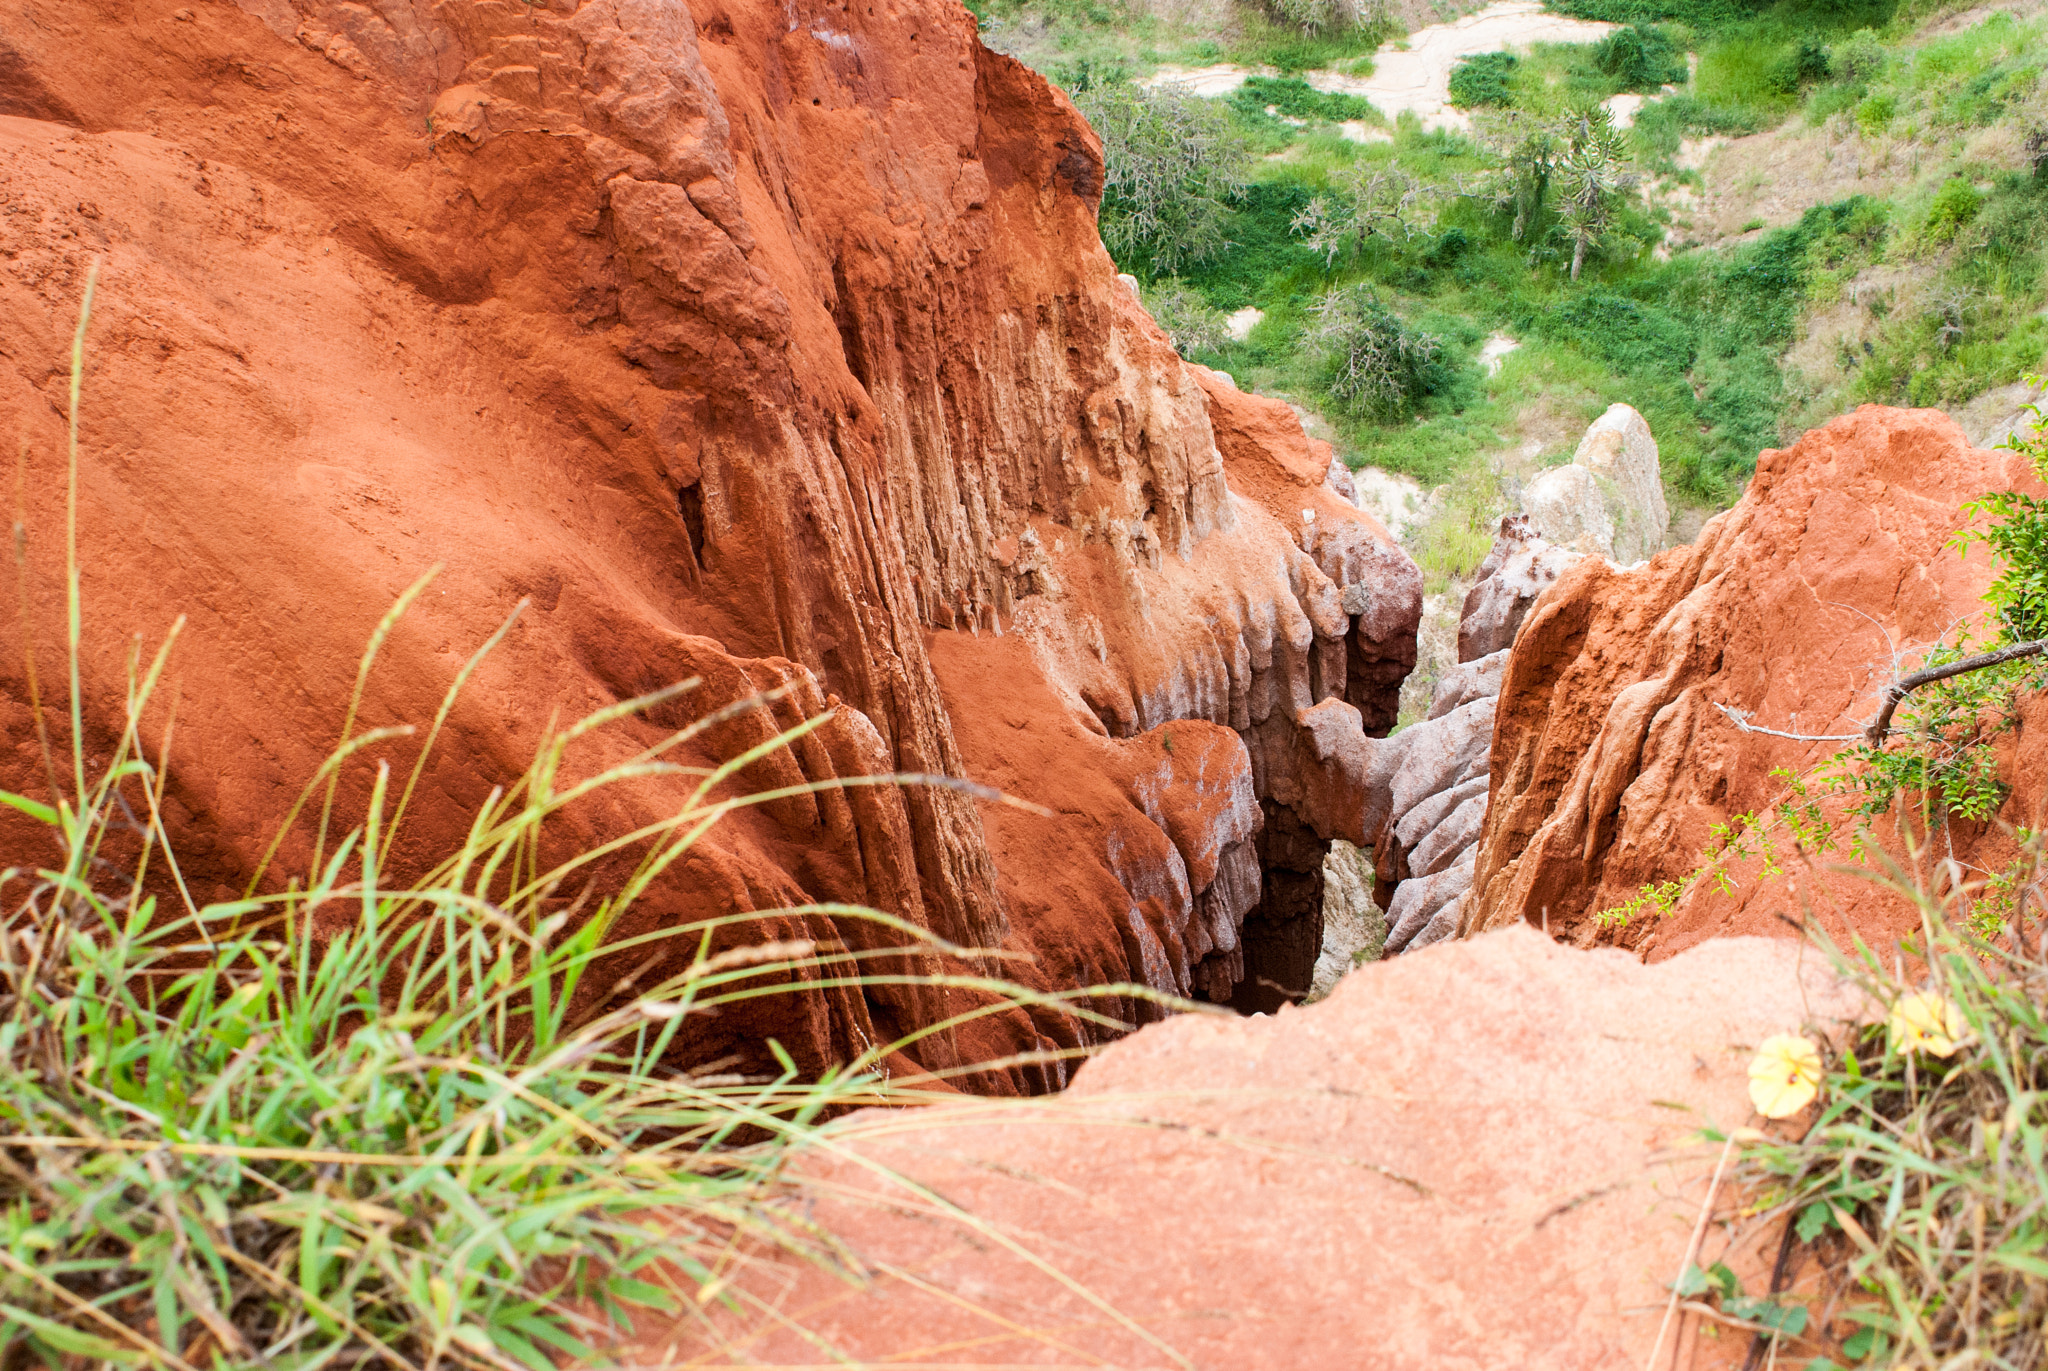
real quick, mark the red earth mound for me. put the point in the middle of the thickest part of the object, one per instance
(1614, 759)
(1483, 1154)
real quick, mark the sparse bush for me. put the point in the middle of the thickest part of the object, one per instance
(1319, 17)
(1172, 163)
(1188, 320)
(1374, 364)
(1376, 200)
(1483, 80)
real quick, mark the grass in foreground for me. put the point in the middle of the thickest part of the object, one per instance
(1922, 1184)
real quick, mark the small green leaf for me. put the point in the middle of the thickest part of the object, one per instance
(1727, 1280)
(41, 813)
(526, 1353)
(548, 1331)
(639, 1292)
(1691, 1282)
(67, 1339)
(1814, 1220)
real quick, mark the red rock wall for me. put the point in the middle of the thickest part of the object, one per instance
(771, 344)
(1612, 764)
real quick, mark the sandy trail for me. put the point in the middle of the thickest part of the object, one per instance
(1415, 74)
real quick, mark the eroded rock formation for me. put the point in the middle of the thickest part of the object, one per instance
(767, 344)
(1614, 758)
(1437, 789)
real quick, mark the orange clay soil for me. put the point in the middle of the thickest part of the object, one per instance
(1612, 763)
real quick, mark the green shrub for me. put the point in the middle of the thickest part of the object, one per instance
(1861, 57)
(1172, 162)
(1875, 113)
(1188, 320)
(1704, 15)
(1297, 99)
(1483, 80)
(1085, 74)
(1831, 100)
(1266, 264)
(1661, 125)
(1800, 66)
(1954, 205)
(1642, 58)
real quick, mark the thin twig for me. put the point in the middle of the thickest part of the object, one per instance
(1692, 1252)
(1880, 727)
(1740, 718)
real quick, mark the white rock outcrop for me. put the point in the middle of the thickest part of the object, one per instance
(1520, 567)
(1609, 500)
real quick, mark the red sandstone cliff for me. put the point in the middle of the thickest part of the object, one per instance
(1611, 763)
(771, 344)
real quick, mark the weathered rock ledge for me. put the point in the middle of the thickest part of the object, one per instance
(1614, 753)
(1403, 1175)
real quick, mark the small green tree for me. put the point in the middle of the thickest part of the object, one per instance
(1367, 202)
(1592, 175)
(1525, 152)
(1172, 163)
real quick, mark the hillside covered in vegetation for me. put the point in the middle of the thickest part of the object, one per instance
(1814, 205)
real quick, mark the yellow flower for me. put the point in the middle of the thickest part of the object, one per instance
(1927, 1022)
(1784, 1077)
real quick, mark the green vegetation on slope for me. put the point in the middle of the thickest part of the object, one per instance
(1537, 227)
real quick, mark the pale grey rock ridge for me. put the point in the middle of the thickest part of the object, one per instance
(1609, 500)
